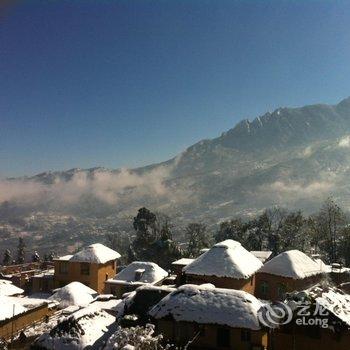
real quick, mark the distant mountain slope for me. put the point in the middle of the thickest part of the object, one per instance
(292, 157)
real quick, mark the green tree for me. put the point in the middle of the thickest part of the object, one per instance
(21, 251)
(145, 225)
(7, 260)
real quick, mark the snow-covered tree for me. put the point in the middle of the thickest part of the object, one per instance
(198, 238)
(35, 257)
(154, 239)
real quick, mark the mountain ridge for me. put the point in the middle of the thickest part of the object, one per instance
(289, 157)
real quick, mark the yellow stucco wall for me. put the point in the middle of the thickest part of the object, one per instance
(95, 280)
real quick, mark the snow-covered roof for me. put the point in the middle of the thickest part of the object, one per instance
(293, 264)
(47, 273)
(74, 293)
(206, 304)
(29, 302)
(8, 288)
(337, 303)
(322, 266)
(96, 253)
(10, 307)
(182, 261)
(334, 300)
(152, 273)
(262, 255)
(84, 329)
(225, 259)
(65, 257)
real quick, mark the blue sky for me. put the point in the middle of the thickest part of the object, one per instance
(127, 83)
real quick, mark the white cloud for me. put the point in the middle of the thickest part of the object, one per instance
(106, 186)
(344, 142)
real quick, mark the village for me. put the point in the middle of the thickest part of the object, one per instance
(226, 298)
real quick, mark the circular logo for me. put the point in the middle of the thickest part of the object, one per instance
(274, 315)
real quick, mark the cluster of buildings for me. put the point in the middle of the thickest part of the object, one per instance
(226, 298)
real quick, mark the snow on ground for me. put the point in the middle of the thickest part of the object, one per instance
(292, 263)
(95, 253)
(206, 304)
(148, 272)
(225, 259)
(10, 307)
(88, 327)
(74, 293)
(8, 288)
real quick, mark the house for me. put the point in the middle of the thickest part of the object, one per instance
(226, 265)
(176, 269)
(17, 313)
(91, 266)
(210, 318)
(289, 271)
(142, 300)
(332, 314)
(7, 288)
(74, 294)
(88, 328)
(43, 282)
(135, 275)
(339, 274)
(21, 275)
(178, 265)
(262, 255)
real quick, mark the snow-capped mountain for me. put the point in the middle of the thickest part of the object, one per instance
(292, 157)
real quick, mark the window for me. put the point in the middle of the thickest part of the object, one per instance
(264, 289)
(85, 269)
(63, 267)
(223, 337)
(281, 291)
(245, 335)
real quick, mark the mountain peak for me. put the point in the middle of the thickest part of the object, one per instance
(288, 126)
